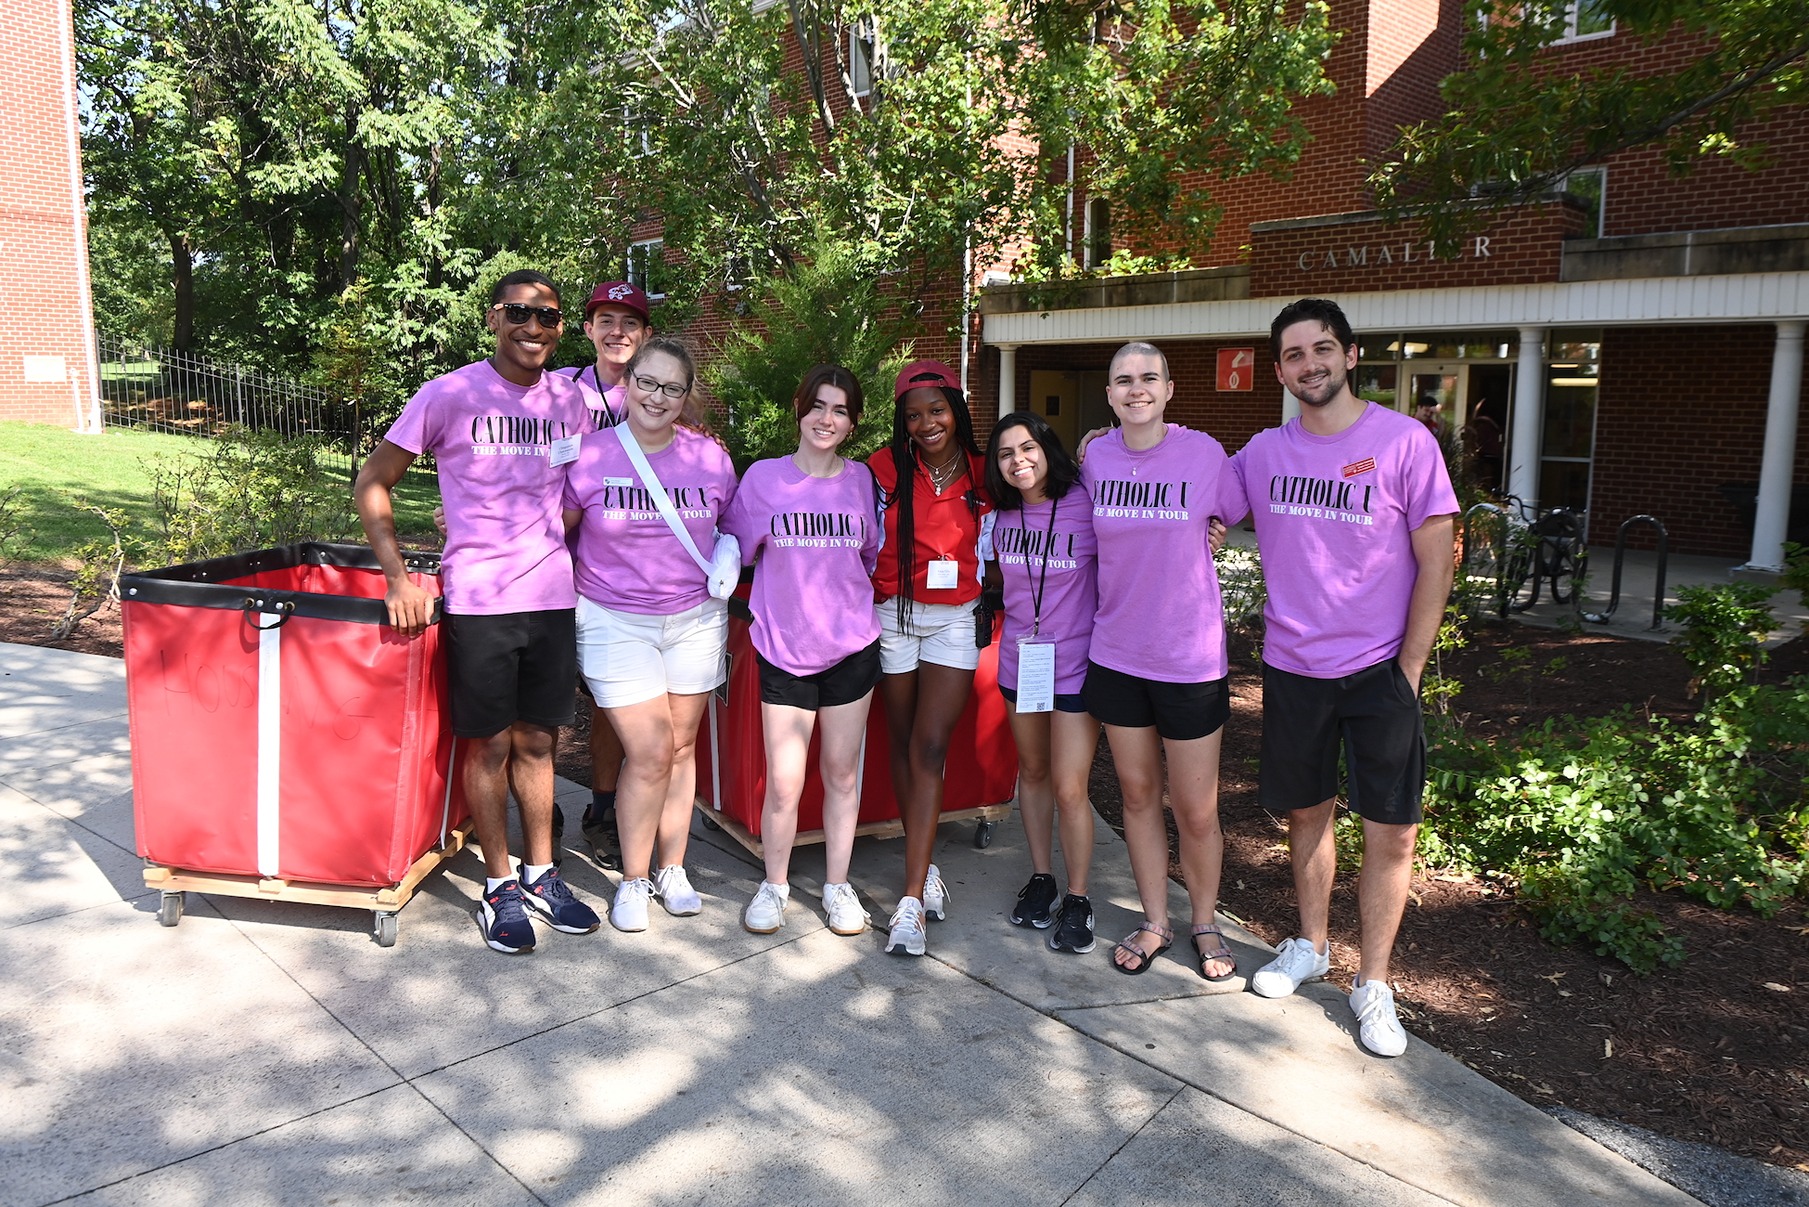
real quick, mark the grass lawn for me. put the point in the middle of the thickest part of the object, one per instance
(58, 470)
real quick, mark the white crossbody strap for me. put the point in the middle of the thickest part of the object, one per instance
(651, 482)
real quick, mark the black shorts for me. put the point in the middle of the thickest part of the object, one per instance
(1181, 712)
(1373, 715)
(843, 683)
(515, 666)
(1074, 703)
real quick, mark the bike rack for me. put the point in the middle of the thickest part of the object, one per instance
(1620, 553)
(1499, 540)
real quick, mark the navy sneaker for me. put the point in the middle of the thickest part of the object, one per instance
(504, 917)
(1034, 900)
(552, 899)
(1073, 925)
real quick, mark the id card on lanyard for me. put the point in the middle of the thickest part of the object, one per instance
(1036, 653)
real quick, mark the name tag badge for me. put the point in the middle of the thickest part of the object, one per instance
(618, 481)
(565, 450)
(1036, 675)
(943, 575)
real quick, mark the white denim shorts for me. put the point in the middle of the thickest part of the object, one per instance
(942, 634)
(627, 658)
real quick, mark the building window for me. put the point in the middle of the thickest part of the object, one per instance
(863, 53)
(1589, 186)
(646, 266)
(1578, 20)
(1097, 239)
(1586, 19)
(636, 137)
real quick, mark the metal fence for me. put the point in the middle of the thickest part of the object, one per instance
(167, 391)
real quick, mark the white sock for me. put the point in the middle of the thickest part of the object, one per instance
(534, 871)
(492, 883)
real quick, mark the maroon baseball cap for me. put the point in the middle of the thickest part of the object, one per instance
(924, 373)
(618, 293)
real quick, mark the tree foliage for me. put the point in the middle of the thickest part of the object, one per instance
(341, 173)
(1519, 120)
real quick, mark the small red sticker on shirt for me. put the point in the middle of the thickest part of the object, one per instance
(1359, 467)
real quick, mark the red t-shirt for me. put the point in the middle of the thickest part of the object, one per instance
(946, 527)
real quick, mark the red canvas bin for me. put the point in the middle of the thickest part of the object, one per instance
(980, 780)
(280, 727)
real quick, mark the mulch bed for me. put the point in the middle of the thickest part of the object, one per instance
(1716, 1050)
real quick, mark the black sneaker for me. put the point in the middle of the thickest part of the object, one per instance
(1073, 926)
(1034, 900)
(605, 843)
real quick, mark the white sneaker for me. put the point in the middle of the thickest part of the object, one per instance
(1377, 1025)
(843, 905)
(629, 911)
(935, 895)
(673, 888)
(1295, 964)
(907, 928)
(766, 912)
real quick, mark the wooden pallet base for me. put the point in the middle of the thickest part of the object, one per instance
(868, 829)
(384, 899)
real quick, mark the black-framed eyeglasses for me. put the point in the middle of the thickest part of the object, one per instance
(517, 313)
(671, 389)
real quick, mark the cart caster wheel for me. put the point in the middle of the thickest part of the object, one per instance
(386, 930)
(709, 823)
(983, 835)
(169, 909)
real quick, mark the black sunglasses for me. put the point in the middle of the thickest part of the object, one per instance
(517, 313)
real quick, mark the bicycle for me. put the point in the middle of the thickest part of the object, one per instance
(1542, 547)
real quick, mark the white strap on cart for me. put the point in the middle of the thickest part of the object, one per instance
(651, 482)
(270, 741)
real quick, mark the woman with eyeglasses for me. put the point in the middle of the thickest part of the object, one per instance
(1048, 558)
(932, 486)
(652, 625)
(808, 523)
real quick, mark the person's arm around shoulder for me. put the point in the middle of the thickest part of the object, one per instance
(1434, 570)
(408, 605)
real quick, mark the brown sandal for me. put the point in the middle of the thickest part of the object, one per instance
(1223, 952)
(1144, 959)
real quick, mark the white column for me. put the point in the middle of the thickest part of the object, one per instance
(1290, 406)
(1527, 427)
(1008, 379)
(1778, 466)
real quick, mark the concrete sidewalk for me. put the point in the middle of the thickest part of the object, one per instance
(272, 1052)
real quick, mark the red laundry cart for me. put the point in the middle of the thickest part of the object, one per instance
(287, 743)
(979, 783)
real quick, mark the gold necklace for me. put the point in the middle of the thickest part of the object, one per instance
(942, 475)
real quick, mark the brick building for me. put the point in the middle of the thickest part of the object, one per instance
(47, 360)
(1638, 341)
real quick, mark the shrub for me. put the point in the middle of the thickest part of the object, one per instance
(1724, 630)
(1581, 814)
(255, 490)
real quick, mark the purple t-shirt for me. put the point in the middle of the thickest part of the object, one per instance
(505, 541)
(628, 557)
(817, 541)
(1334, 523)
(1160, 616)
(1063, 560)
(607, 403)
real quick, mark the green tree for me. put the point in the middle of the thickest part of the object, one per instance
(1518, 122)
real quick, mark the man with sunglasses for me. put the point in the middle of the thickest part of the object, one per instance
(503, 431)
(617, 322)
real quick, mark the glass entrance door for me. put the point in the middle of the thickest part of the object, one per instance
(1437, 396)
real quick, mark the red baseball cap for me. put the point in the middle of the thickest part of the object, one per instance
(924, 373)
(619, 293)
